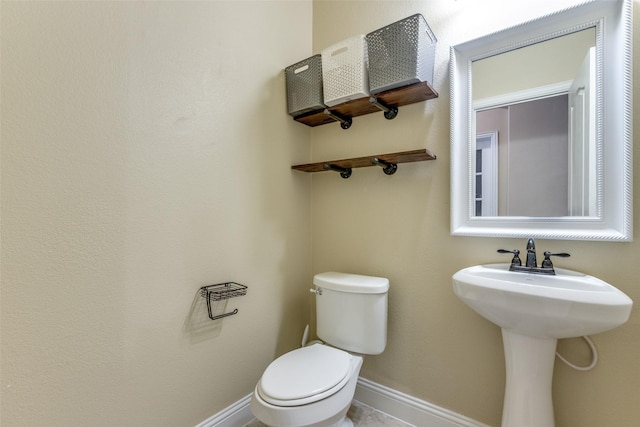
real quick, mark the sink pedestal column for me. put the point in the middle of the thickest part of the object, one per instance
(529, 364)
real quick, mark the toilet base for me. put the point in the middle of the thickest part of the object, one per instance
(345, 422)
(296, 421)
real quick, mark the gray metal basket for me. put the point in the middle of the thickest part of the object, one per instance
(304, 86)
(400, 54)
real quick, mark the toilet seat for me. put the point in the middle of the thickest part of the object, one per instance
(305, 375)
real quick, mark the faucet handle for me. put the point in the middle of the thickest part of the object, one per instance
(516, 259)
(546, 263)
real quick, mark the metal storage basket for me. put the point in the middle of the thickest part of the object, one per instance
(401, 54)
(344, 71)
(304, 86)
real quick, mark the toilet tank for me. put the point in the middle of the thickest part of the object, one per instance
(351, 311)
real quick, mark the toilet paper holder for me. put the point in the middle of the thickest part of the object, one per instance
(219, 292)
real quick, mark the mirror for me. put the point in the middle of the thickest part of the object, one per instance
(541, 128)
(531, 120)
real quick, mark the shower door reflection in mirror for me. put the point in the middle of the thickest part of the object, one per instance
(537, 101)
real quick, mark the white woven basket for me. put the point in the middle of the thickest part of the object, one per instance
(345, 71)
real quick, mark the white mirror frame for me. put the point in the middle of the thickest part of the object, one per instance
(613, 221)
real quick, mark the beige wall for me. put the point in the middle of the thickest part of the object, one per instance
(146, 151)
(398, 227)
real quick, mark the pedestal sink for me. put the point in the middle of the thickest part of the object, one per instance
(533, 311)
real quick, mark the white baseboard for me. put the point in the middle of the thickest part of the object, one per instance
(236, 415)
(399, 405)
(408, 408)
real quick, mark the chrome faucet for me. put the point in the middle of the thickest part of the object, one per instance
(531, 263)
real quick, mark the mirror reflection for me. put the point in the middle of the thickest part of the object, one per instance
(534, 121)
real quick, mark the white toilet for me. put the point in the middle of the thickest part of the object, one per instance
(313, 386)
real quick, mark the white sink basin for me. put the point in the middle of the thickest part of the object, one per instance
(566, 305)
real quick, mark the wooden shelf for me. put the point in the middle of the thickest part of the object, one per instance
(392, 98)
(361, 162)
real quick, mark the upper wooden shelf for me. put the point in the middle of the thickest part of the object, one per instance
(361, 162)
(392, 98)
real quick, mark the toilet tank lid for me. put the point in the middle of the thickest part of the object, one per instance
(355, 283)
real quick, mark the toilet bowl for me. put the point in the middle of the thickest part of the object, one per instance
(308, 387)
(313, 386)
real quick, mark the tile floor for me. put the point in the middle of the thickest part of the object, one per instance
(362, 416)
